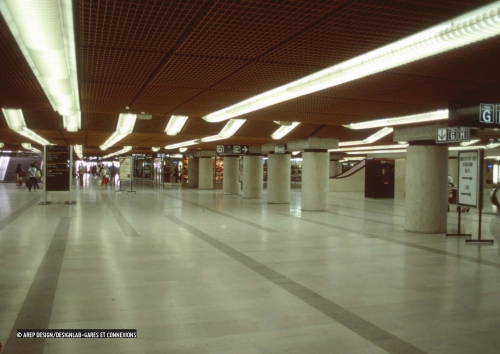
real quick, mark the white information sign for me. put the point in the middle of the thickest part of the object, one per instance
(468, 178)
(125, 168)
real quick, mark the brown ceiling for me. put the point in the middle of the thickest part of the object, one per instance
(193, 57)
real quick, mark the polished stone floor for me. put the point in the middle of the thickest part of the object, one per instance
(200, 272)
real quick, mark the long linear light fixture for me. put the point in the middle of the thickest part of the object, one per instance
(228, 131)
(415, 118)
(183, 144)
(466, 29)
(375, 152)
(78, 151)
(175, 124)
(284, 130)
(2, 145)
(27, 146)
(15, 121)
(125, 126)
(364, 148)
(119, 152)
(371, 139)
(155, 149)
(44, 31)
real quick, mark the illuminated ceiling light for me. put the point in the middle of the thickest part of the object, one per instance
(2, 145)
(44, 31)
(15, 121)
(73, 123)
(175, 124)
(155, 149)
(125, 126)
(375, 152)
(415, 118)
(185, 143)
(466, 29)
(371, 139)
(296, 152)
(183, 149)
(27, 146)
(492, 145)
(78, 151)
(403, 142)
(467, 143)
(364, 148)
(119, 152)
(211, 138)
(176, 156)
(284, 130)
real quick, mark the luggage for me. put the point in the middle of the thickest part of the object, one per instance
(22, 173)
(29, 184)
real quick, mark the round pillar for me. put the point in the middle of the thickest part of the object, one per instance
(206, 173)
(253, 177)
(426, 190)
(231, 182)
(278, 178)
(315, 180)
(193, 171)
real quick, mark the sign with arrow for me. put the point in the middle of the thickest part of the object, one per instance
(452, 135)
(469, 178)
(232, 149)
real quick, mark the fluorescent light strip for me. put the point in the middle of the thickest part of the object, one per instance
(175, 124)
(228, 131)
(125, 126)
(44, 31)
(73, 123)
(27, 146)
(2, 145)
(466, 29)
(183, 149)
(15, 121)
(284, 130)
(122, 151)
(371, 139)
(155, 149)
(415, 118)
(364, 148)
(78, 151)
(375, 152)
(185, 143)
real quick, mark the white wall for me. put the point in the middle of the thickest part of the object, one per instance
(353, 183)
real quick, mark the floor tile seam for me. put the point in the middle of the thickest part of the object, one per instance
(36, 309)
(404, 243)
(127, 229)
(370, 332)
(249, 223)
(18, 212)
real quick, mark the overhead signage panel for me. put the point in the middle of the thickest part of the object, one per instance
(452, 135)
(232, 149)
(474, 114)
(279, 149)
(468, 178)
(57, 168)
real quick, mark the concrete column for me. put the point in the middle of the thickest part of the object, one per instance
(335, 168)
(278, 178)
(231, 182)
(426, 192)
(193, 173)
(253, 177)
(206, 173)
(315, 180)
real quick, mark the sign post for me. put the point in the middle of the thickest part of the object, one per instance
(470, 177)
(125, 173)
(71, 169)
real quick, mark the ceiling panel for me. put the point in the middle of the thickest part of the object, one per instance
(201, 127)
(100, 122)
(157, 124)
(43, 120)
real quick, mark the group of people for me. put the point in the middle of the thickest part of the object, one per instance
(106, 174)
(33, 174)
(176, 174)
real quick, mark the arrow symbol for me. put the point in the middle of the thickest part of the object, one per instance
(442, 137)
(245, 149)
(469, 194)
(469, 178)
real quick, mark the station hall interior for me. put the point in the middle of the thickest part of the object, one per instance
(250, 177)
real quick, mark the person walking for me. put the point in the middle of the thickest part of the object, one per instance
(176, 173)
(81, 172)
(94, 170)
(104, 174)
(112, 172)
(20, 173)
(32, 176)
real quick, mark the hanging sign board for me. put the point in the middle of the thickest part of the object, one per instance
(452, 135)
(57, 168)
(125, 171)
(474, 114)
(279, 149)
(469, 178)
(232, 149)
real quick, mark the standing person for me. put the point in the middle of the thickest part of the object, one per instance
(104, 174)
(112, 172)
(176, 173)
(94, 170)
(32, 175)
(167, 174)
(20, 174)
(81, 172)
